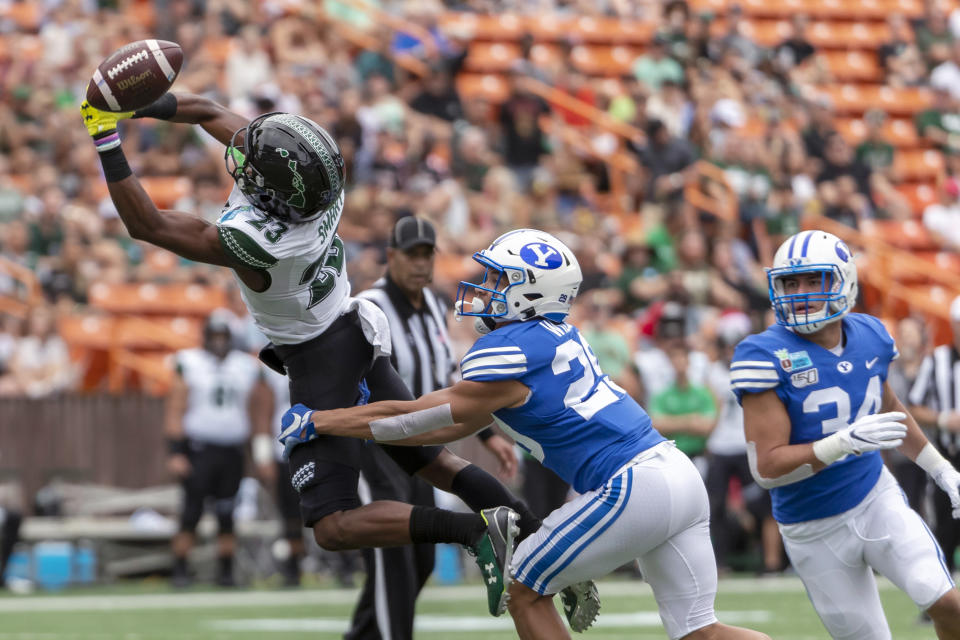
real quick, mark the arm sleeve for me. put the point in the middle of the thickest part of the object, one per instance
(753, 370)
(244, 249)
(493, 358)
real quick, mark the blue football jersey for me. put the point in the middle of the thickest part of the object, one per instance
(576, 420)
(822, 393)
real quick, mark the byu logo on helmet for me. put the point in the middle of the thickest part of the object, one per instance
(842, 252)
(540, 255)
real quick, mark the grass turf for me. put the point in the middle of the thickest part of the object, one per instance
(152, 612)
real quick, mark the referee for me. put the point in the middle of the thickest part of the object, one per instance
(935, 400)
(421, 354)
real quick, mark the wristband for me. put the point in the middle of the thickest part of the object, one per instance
(163, 108)
(177, 446)
(829, 449)
(115, 167)
(930, 460)
(942, 419)
(486, 434)
(261, 449)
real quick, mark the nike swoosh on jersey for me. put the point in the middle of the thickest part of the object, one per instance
(870, 363)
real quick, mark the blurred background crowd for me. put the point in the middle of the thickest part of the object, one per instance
(672, 144)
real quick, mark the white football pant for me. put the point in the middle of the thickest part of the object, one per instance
(654, 509)
(835, 557)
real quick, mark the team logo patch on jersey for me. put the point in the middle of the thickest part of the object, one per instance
(844, 367)
(793, 361)
(806, 378)
(541, 255)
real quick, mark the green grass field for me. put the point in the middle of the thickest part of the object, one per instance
(143, 612)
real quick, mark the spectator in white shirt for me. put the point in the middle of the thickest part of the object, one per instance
(942, 218)
(41, 364)
(946, 75)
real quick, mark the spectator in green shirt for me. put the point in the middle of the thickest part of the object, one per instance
(940, 124)
(685, 412)
(875, 151)
(653, 68)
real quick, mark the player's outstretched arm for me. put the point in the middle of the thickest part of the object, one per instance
(217, 120)
(182, 233)
(442, 416)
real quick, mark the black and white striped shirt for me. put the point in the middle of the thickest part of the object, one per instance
(938, 387)
(421, 345)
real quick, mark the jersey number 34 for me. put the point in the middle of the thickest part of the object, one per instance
(837, 396)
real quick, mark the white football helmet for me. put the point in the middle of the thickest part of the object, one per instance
(813, 252)
(528, 274)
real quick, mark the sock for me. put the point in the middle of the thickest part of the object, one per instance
(9, 534)
(480, 490)
(293, 565)
(429, 524)
(225, 565)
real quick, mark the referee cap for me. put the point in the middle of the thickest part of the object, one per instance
(411, 231)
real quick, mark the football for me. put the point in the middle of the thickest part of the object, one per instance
(135, 75)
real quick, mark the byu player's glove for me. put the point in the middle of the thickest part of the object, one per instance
(869, 433)
(102, 126)
(296, 428)
(948, 479)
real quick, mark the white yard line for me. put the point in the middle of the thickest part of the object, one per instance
(323, 597)
(435, 623)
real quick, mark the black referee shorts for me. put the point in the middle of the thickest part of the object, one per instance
(215, 472)
(325, 373)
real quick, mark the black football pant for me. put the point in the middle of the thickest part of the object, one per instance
(325, 373)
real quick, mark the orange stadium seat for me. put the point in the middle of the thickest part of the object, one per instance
(166, 190)
(900, 133)
(491, 57)
(909, 234)
(850, 98)
(217, 49)
(919, 165)
(853, 66)
(26, 15)
(607, 30)
(550, 27)
(545, 55)
(598, 60)
(484, 27)
(919, 195)
(489, 86)
(174, 299)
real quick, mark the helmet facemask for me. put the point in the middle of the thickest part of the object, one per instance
(492, 289)
(793, 309)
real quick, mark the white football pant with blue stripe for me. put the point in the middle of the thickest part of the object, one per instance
(836, 556)
(655, 510)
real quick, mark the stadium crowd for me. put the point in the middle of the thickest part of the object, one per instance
(663, 299)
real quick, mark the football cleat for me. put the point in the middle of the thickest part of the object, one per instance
(581, 604)
(493, 553)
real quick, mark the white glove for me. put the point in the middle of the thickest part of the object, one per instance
(869, 433)
(948, 479)
(943, 473)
